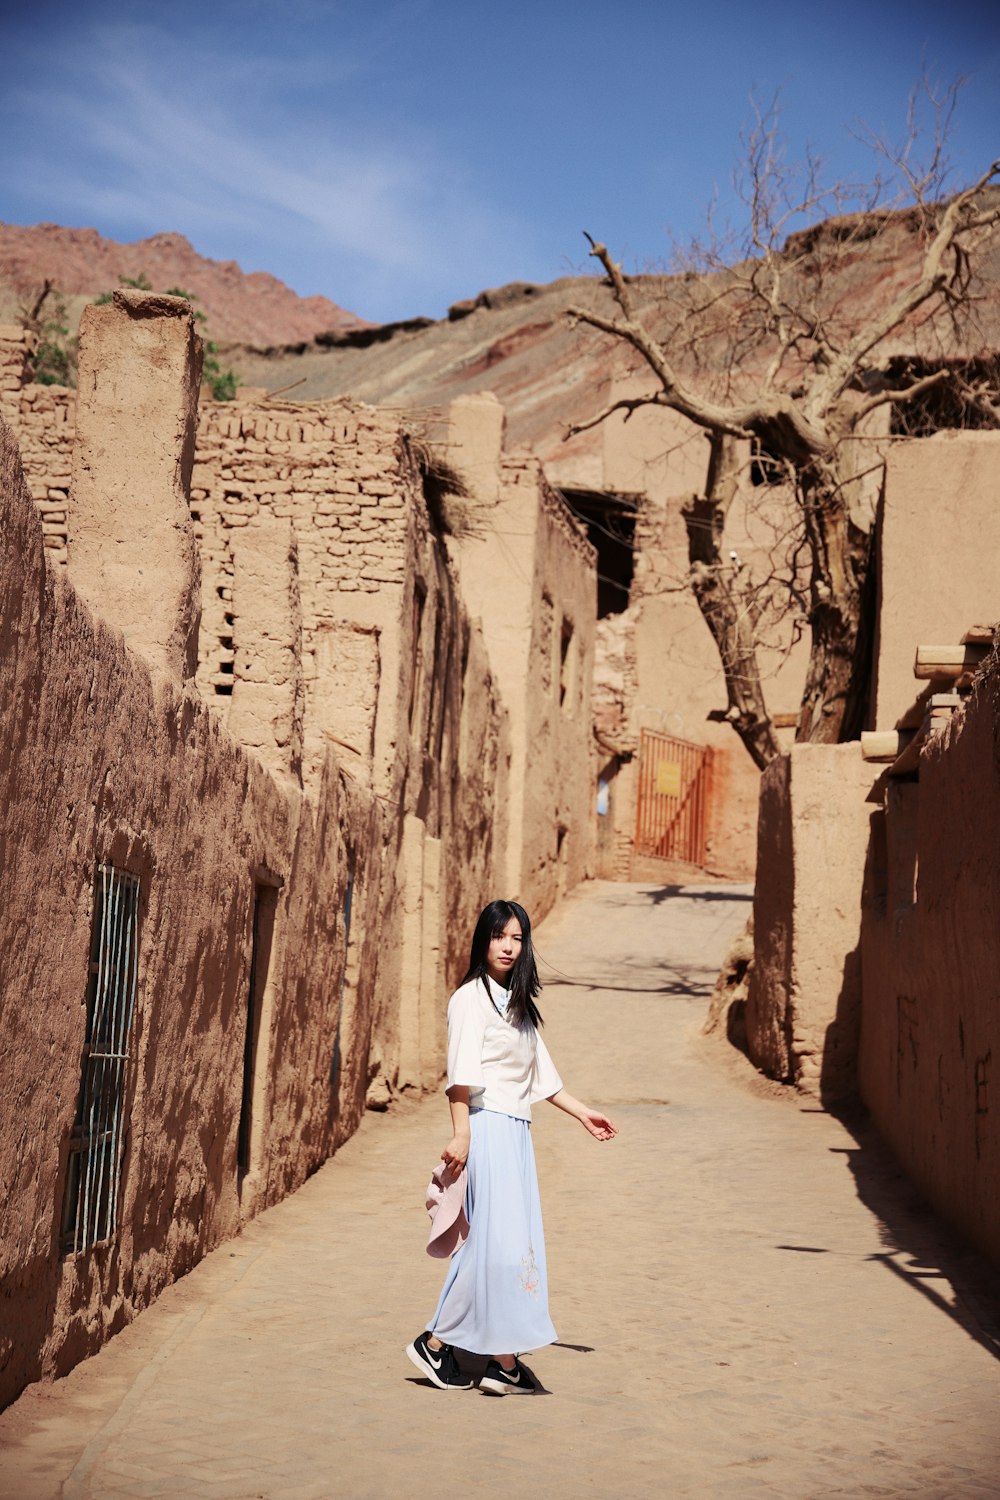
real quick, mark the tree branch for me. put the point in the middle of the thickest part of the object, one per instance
(916, 389)
(754, 418)
(627, 404)
(932, 279)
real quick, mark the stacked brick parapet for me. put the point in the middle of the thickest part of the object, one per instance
(16, 346)
(43, 419)
(334, 470)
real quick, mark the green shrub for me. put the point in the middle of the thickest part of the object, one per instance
(53, 361)
(222, 383)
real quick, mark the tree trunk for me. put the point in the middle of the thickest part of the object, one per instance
(835, 697)
(731, 618)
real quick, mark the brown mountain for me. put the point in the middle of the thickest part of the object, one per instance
(517, 341)
(251, 308)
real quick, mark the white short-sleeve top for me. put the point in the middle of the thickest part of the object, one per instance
(506, 1068)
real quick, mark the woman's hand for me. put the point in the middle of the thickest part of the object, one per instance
(455, 1154)
(600, 1127)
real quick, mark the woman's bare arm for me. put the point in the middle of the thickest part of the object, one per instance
(600, 1127)
(456, 1153)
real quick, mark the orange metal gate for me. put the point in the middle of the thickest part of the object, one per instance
(674, 781)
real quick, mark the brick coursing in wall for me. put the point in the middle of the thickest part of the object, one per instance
(208, 803)
(42, 418)
(335, 470)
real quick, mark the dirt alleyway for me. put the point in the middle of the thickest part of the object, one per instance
(734, 1318)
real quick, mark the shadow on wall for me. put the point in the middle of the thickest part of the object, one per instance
(838, 1073)
(920, 1249)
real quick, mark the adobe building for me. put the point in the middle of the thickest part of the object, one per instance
(876, 938)
(659, 689)
(526, 570)
(675, 788)
(257, 786)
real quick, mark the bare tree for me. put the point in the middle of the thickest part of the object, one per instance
(44, 314)
(770, 347)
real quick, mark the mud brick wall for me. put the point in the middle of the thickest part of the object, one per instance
(122, 765)
(930, 951)
(43, 418)
(330, 468)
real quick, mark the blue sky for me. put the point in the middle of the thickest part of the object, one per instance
(397, 155)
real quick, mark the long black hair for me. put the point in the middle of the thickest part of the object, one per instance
(524, 981)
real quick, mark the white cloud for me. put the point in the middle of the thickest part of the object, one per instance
(238, 151)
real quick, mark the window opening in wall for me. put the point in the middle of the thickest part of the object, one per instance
(265, 904)
(610, 523)
(225, 653)
(90, 1205)
(566, 665)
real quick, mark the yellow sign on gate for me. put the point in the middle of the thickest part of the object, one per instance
(668, 778)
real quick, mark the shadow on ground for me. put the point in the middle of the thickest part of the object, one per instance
(679, 981)
(921, 1248)
(657, 895)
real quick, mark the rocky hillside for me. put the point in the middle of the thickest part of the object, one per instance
(250, 308)
(517, 341)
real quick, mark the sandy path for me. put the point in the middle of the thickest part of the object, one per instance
(750, 1300)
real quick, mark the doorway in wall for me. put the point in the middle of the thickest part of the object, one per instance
(672, 803)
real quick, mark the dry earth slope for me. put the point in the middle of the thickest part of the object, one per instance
(517, 342)
(251, 308)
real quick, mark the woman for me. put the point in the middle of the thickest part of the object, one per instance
(495, 1297)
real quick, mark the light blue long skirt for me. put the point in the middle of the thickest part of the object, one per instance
(495, 1299)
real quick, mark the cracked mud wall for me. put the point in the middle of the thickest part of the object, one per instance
(102, 765)
(803, 1006)
(930, 960)
(106, 761)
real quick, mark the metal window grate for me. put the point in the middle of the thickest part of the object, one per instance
(90, 1211)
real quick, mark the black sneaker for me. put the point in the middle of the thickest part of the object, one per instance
(499, 1381)
(439, 1365)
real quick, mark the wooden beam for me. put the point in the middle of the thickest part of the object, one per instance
(937, 711)
(948, 661)
(978, 635)
(884, 744)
